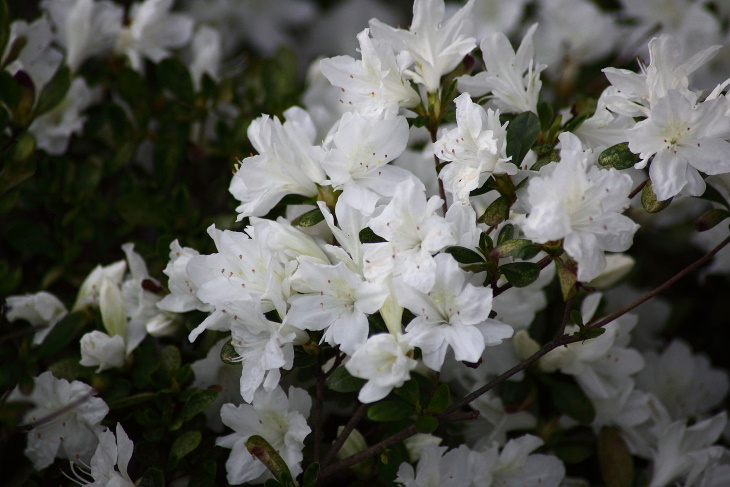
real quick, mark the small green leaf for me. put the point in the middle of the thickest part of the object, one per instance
(567, 276)
(522, 133)
(462, 255)
(572, 401)
(309, 219)
(368, 236)
(426, 424)
(576, 317)
(170, 359)
(650, 202)
(496, 212)
(618, 157)
(545, 114)
(521, 274)
(65, 332)
(710, 219)
(485, 243)
(310, 475)
(55, 91)
(440, 400)
(174, 76)
(420, 121)
(4, 28)
(198, 403)
(20, 164)
(574, 123)
(341, 381)
(617, 464)
(589, 333)
(506, 233)
(152, 477)
(229, 355)
(512, 248)
(260, 449)
(409, 392)
(183, 444)
(395, 410)
(9, 90)
(572, 454)
(546, 154)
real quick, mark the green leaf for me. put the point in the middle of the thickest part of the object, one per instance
(545, 114)
(567, 276)
(368, 236)
(546, 154)
(309, 219)
(341, 381)
(385, 411)
(183, 444)
(409, 392)
(576, 317)
(618, 157)
(521, 274)
(617, 464)
(440, 400)
(570, 400)
(426, 424)
(260, 449)
(496, 212)
(462, 255)
(420, 121)
(711, 194)
(574, 123)
(506, 233)
(310, 475)
(170, 359)
(198, 403)
(9, 90)
(573, 453)
(522, 133)
(133, 400)
(55, 91)
(20, 164)
(65, 332)
(650, 202)
(229, 355)
(512, 248)
(175, 77)
(589, 333)
(710, 219)
(152, 477)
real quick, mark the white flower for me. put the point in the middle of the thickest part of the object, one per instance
(91, 287)
(64, 422)
(357, 163)
(383, 360)
(287, 163)
(686, 384)
(37, 58)
(437, 46)
(98, 348)
(374, 85)
(684, 139)
(453, 313)
(42, 308)
(515, 467)
(85, 28)
(336, 300)
(112, 452)
(207, 54)
(53, 129)
(152, 31)
(454, 469)
(683, 450)
(413, 232)
(280, 420)
(475, 149)
(182, 297)
(512, 78)
(582, 205)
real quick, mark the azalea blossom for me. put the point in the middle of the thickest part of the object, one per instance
(454, 313)
(581, 204)
(384, 361)
(436, 467)
(72, 434)
(109, 464)
(280, 420)
(42, 308)
(437, 46)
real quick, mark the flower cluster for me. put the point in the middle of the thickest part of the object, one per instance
(432, 237)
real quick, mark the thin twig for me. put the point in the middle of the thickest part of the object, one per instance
(638, 189)
(68, 407)
(566, 315)
(654, 292)
(318, 409)
(359, 413)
